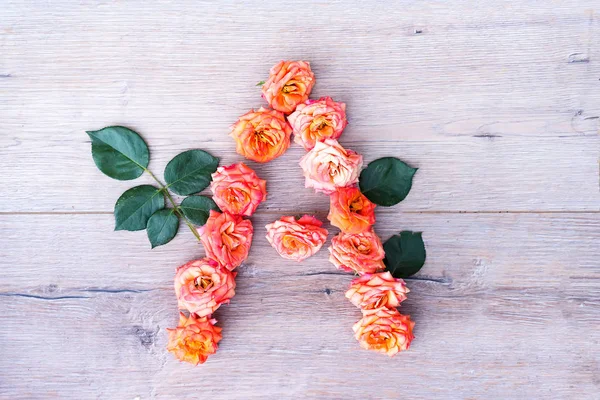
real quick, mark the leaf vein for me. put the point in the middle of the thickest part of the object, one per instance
(139, 208)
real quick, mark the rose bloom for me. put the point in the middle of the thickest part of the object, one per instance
(237, 189)
(289, 84)
(261, 135)
(329, 166)
(361, 253)
(194, 339)
(384, 330)
(226, 238)
(201, 286)
(317, 120)
(372, 291)
(351, 211)
(296, 239)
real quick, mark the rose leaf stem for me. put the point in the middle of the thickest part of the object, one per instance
(176, 207)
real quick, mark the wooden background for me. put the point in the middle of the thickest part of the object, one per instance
(497, 103)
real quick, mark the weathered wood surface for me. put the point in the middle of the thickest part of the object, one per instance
(497, 103)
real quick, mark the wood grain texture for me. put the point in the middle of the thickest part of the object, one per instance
(505, 302)
(551, 174)
(496, 103)
(491, 107)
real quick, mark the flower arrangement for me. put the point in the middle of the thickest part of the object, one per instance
(221, 222)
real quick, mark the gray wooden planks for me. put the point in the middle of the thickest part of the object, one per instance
(503, 300)
(497, 103)
(459, 174)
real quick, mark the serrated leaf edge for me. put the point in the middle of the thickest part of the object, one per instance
(183, 208)
(152, 246)
(125, 155)
(169, 184)
(117, 227)
(412, 233)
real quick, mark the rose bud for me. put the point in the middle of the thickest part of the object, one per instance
(194, 339)
(385, 331)
(361, 253)
(317, 120)
(289, 84)
(296, 239)
(237, 189)
(261, 135)
(351, 211)
(329, 166)
(226, 238)
(201, 286)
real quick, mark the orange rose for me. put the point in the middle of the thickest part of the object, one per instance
(202, 286)
(226, 238)
(361, 253)
(289, 84)
(296, 240)
(373, 291)
(351, 211)
(329, 166)
(261, 135)
(317, 120)
(237, 189)
(385, 331)
(194, 339)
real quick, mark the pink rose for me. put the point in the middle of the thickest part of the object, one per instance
(203, 285)
(317, 120)
(351, 211)
(237, 189)
(261, 135)
(194, 339)
(296, 239)
(361, 253)
(385, 331)
(373, 291)
(289, 84)
(329, 166)
(226, 238)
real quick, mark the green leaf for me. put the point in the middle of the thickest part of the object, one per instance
(119, 152)
(162, 227)
(136, 205)
(386, 181)
(197, 208)
(189, 172)
(260, 83)
(404, 254)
